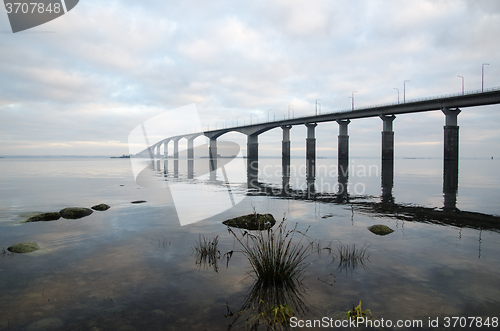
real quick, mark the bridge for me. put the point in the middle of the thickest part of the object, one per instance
(450, 105)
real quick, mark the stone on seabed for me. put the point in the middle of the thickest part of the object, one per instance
(26, 247)
(252, 222)
(380, 229)
(44, 217)
(101, 207)
(75, 212)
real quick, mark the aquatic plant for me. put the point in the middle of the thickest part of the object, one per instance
(207, 253)
(274, 255)
(357, 312)
(273, 315)
(270, 306)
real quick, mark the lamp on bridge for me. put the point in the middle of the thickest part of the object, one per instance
(404, 91)
(352, 97)
(398, 92)
(462, 83)
(482, 76)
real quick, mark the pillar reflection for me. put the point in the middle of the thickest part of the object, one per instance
(343, 180)
(387, 180)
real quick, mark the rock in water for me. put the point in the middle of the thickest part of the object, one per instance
(139, 201)
(26, 247)
(101, 207)
(44, 217)
(252, 222)
(380, 229)
(73, 213)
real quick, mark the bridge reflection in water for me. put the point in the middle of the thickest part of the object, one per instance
(383, 206)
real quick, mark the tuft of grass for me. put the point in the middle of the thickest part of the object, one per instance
(276, 257)
(207, 253)
(351, 256)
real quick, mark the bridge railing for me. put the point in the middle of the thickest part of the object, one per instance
(436, 97)
(443, 96)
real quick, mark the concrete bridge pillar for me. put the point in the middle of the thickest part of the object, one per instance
(252, 159)
(212, 153)
(253, 146)
(165, 148)
(190, 151)
(311, 151)
(450, 164)
(158, 154)
(176, 148)
(343, 150)
(387, 158)
(343, 161)
(451, 134)
(387, 137)
(285, 158)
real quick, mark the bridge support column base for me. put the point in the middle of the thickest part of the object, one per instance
(387, 145)
(253, 160)
(190, 151)
(311, 152)
(387, 137)
(212, 154)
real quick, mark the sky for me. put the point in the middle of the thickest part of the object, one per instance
(80, 84)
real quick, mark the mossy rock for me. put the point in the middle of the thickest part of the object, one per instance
(73, 213)
(26, 247)
(252, 222)
(44, 217)
(380, 229)
(139, 201)
(101, 207)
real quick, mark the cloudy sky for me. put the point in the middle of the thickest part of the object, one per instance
(81, 83)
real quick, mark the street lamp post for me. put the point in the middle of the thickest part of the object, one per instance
(482, 76)
(352, 97)
(274, 114)
(251, 118)
(317, 107)
(404, 91)
(398, 92)
(462, 83)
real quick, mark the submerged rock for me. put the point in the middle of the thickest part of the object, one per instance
(252, 222)
(44, 217)
(380, 229)
(101, 207)
(75, 212)
(26, 247)
(139, 201)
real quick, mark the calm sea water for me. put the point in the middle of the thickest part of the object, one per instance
(133, 267)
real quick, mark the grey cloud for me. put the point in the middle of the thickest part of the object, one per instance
(108, 66)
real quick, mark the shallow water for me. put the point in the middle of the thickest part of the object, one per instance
(133, 267)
